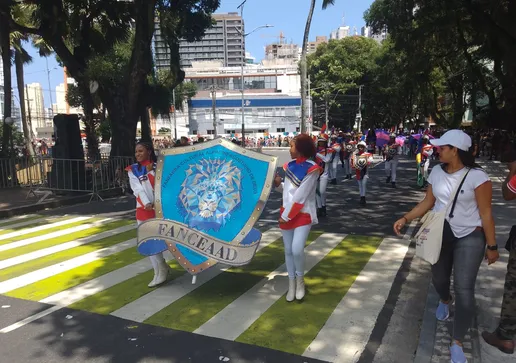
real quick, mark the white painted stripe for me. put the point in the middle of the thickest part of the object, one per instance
(238, 316)
(41, 274)
(42, 228)
(14, 219)
(27, 223)
(99, 284)
(347, 330)
(62, 247)
(55, 234)
(148, 305)
(28, 320)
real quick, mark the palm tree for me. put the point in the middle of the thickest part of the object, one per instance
(303, 65)
(5, 50)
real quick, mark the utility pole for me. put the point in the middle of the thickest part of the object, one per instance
(213, 90)
(174, 115)
(310, 121)
(28, 111)
(326, 118)
(360, 108)
(49, 88)
(242, 33)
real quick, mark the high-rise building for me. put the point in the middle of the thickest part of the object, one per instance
(340, 33)
(35, 106)
(379, 37)
(282, 50)
(222, 42)
(312, 46)
(61, 105)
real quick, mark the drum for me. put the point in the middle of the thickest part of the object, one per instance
(361, 162)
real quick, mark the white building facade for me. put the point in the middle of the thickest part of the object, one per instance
(272, 102)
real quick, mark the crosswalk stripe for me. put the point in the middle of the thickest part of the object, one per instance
(150, 304)
(372, 287)
(49, 271)
(238, 316)
(79, 292)
(17, 218)
(26, 223)
(29, 319)
(62, 247)
(43, 227)
(51, 235)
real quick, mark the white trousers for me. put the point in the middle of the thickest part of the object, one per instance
(333, 168)
(294, 241)
(425, 168)
(347, 167)
(155, 260)
(321, 191)
(362, 186)
(390, 169)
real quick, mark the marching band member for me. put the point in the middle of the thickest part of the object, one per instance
(360, 161)
(298, 212)
(141, 179)
(423, 161)
(348, 149)
(390, 152)
(336, 146)
(323, 159)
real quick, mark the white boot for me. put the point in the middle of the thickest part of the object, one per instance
(163, 270)
(155, 267)
(300, 287)
(291, 290)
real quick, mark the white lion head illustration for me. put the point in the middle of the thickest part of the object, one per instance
(210, 193)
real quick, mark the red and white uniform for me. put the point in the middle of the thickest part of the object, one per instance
(361, 173)
(336, 147)
(142, 184)
(512, 184)
(299, 206)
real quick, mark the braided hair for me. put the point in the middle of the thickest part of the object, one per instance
(150, 148)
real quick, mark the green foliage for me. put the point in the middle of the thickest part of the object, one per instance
(456, 49)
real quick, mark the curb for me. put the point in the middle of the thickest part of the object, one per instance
(28, 209)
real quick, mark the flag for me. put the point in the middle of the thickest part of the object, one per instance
(323, 128)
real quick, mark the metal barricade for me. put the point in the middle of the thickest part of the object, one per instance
(110, 175)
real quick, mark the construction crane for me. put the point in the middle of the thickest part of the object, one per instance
(280, 37)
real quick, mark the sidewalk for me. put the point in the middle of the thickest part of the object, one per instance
(18, 201)
(435, 336)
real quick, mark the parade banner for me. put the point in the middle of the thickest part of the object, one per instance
(207, 199)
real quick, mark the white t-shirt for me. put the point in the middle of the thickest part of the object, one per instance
(466, 216)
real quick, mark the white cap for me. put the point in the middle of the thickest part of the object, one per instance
(456, 138)
(362, 143)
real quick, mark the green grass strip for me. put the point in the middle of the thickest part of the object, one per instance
(46, 231)
(291, 327)
(62, 239)
(109, 300)
(16, 221)
(68, 279)
(36, 264)
(197, 307)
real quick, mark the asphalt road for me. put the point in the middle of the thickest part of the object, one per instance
(88, 337)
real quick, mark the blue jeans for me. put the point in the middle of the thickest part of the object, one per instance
(464, 256)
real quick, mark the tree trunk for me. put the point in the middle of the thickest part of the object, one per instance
(145, 125)
(89, 121)
(27, 129)
(303, 66)
(5, 49)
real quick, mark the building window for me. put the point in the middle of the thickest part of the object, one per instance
(210, 132)
(229, 131)
(262, 130)
(297, 129)
(280, 129)
(194, 132)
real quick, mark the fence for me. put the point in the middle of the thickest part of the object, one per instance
(66, 175)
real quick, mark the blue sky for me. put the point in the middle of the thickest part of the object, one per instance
(287, 16)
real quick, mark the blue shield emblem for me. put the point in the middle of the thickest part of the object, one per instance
(207, 199)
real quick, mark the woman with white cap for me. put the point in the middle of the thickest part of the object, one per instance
(390, 152)
(360, 161)
(468, 228)
(323, 158)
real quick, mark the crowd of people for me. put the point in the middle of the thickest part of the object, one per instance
(457, 188)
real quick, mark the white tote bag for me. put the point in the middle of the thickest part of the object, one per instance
(429, 238)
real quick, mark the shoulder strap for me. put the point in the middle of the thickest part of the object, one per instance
(457, 193)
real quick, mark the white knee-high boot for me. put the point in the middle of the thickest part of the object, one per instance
(161, 270)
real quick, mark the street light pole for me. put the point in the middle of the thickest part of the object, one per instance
(175, 121)
(242, 87)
